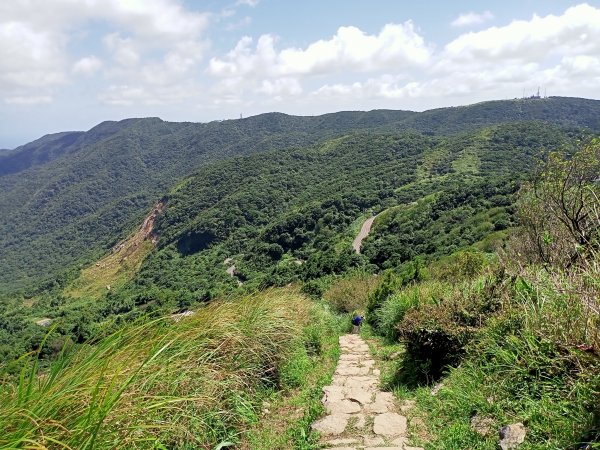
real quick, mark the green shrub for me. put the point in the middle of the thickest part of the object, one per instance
(436, 332)
(380, 295)
(393, 310)
(350, 294)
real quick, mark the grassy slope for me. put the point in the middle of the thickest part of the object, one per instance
(193, 383)
(523, 362)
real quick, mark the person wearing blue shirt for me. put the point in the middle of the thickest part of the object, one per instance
(356, 323)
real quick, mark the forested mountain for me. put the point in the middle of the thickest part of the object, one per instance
(156, 278)
(67, 198)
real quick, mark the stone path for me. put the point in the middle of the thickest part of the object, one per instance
(359, 415)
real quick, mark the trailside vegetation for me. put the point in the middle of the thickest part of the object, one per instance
(197, 381)
(511, 338)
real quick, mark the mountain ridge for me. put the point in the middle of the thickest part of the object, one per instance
(70, 196)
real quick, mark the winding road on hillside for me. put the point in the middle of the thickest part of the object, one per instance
(359, 414)
(363, 233)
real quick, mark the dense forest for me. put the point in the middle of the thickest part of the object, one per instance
(69, 197)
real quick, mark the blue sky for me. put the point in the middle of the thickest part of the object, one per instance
(70, 64)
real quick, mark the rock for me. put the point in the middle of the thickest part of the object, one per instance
(401, 441)
(389, 424)
(384, 448)
(511, 436)
(331, 425)
(350, 371)
(436, 388)
(482, 425)
(339, 381)
(44, 322)
(342, 407)
(362, 396)
(406, 447)
(373, 441)
(384, 402)
(359, 382)
(332, 394)
(407, 405)
(347, 441)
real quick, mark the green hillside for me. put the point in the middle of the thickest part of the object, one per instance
(68, 198)
(289, 216)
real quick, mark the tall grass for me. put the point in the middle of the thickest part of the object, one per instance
(189, 384)
(534, 361)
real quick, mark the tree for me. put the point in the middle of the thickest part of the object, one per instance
(560, 209)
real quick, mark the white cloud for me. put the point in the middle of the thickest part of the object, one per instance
(251, 3)
(123, 50)
(383, 87)
(396, 46)
(244, 22)
(28, 100)
(139, 94)
(559, 52)
(87, 65)
(472, 18)
(29, 57)
(34, 38)
(574, 32)
(281, 86)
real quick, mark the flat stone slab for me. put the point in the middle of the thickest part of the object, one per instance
(342, 441)
(332, 394)
(401, 441)
(333, 424)
(373, 441)
(386, 448)
(362, 396)
(389, 424)
(342, 407)
(349, 370)
(360, 416)
(358, 382)
(384, 402)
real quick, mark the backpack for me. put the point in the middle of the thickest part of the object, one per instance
(357, 320)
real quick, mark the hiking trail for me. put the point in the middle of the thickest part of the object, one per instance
(359, 414)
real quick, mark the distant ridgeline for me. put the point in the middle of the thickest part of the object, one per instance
(279, 194)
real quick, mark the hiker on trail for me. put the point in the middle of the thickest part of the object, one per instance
(356, 323)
